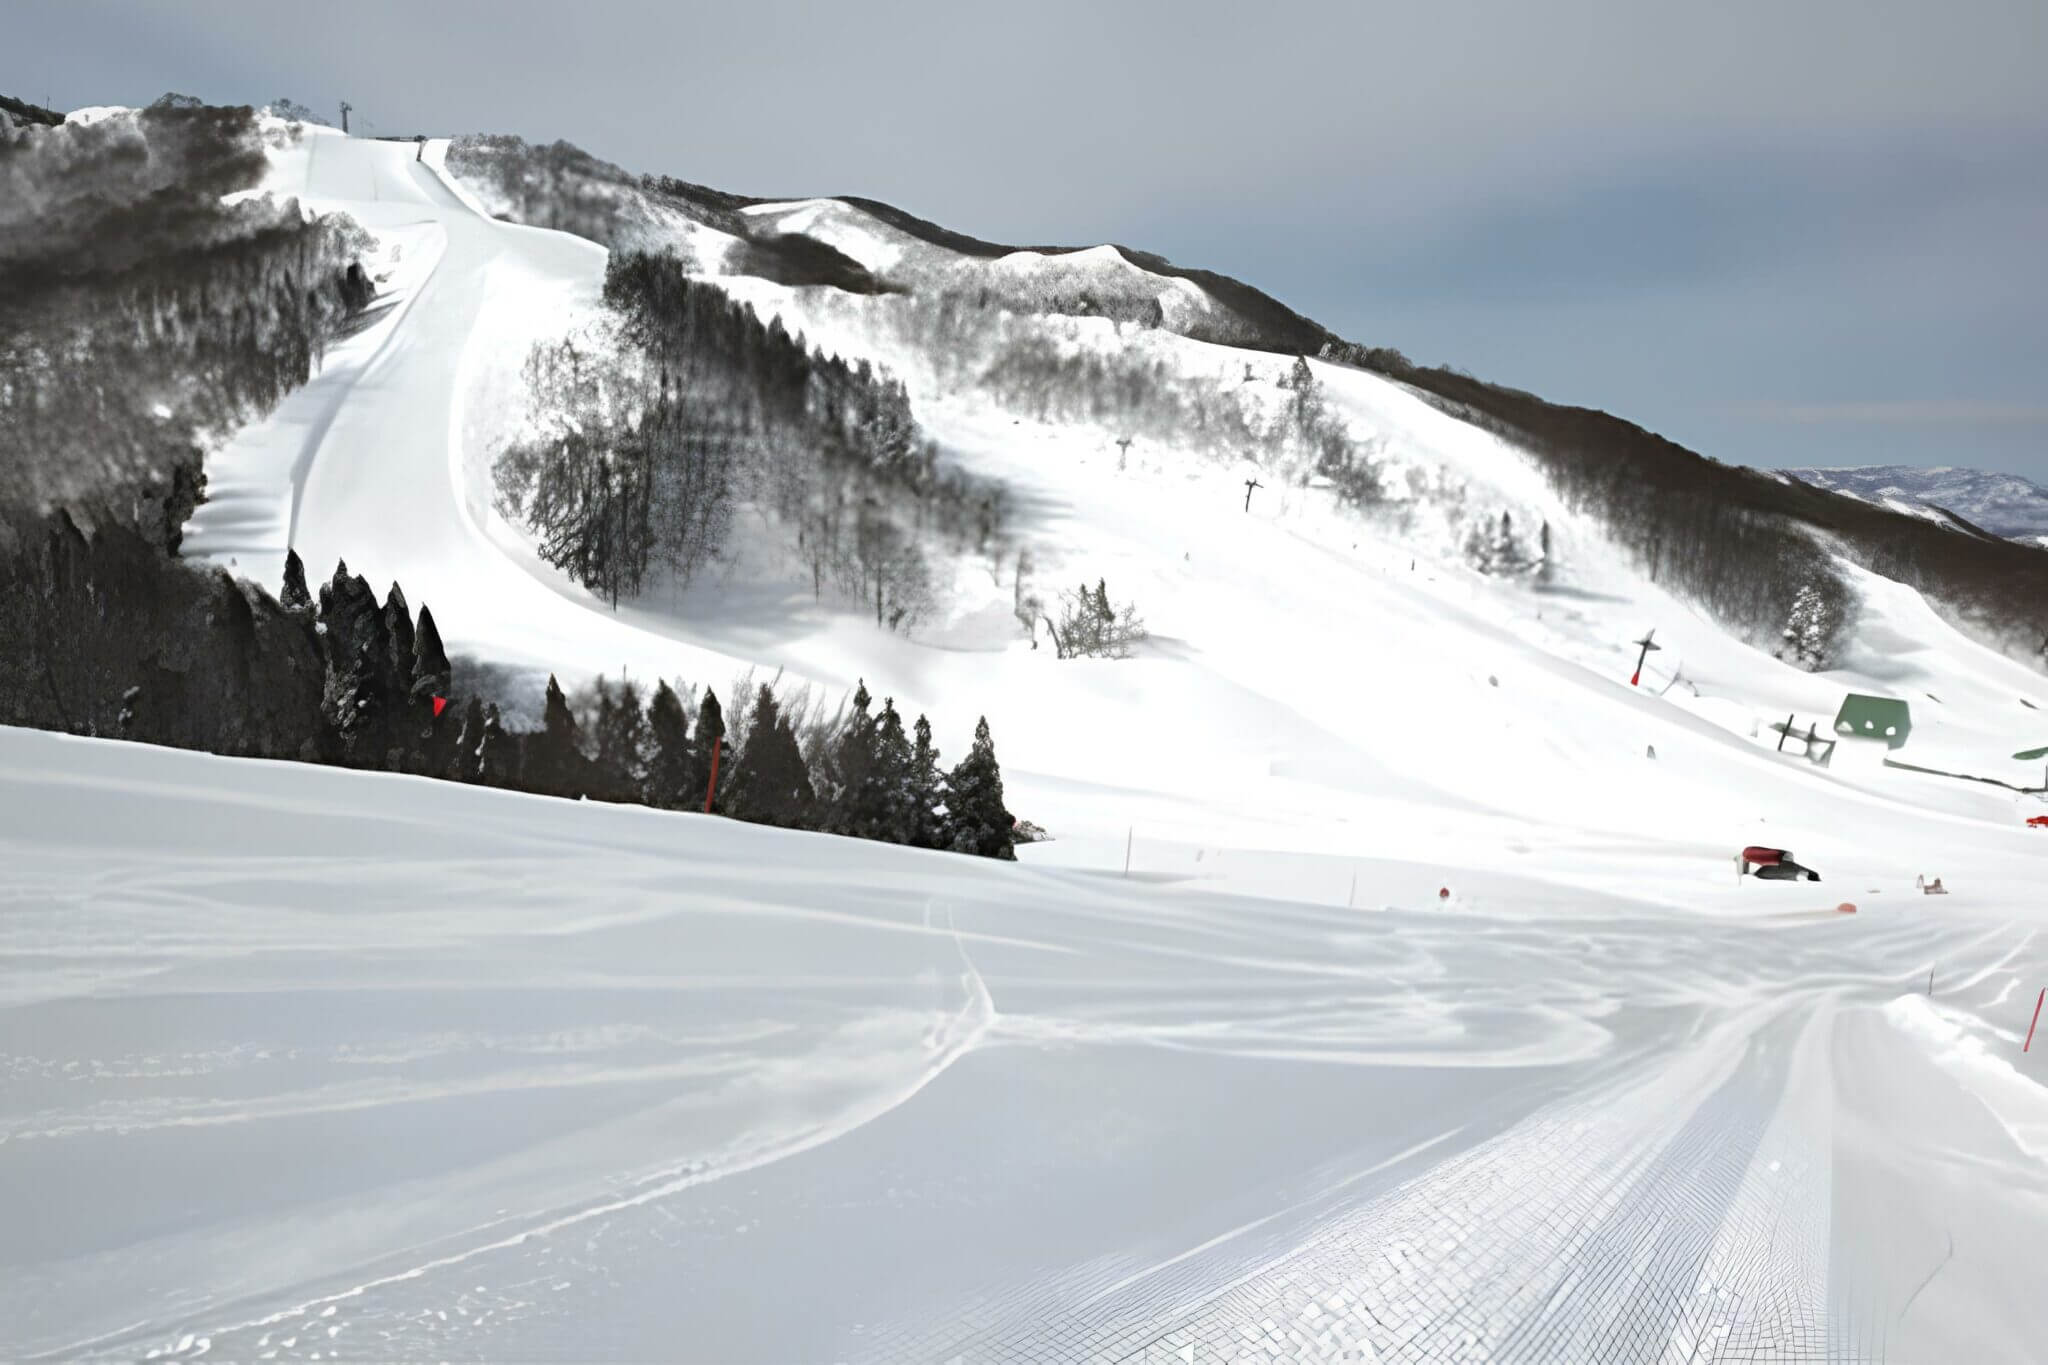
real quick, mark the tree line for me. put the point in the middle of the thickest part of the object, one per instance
(1756, 549)
(645, 451)
(101, 633)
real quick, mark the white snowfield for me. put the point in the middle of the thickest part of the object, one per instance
(303, 1061)
(297, 1061)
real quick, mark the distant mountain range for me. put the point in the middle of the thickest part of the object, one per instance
(2003, 504)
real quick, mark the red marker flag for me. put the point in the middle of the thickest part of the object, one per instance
(440, 705)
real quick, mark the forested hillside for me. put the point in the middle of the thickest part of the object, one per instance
(150, 305)
(648, 440)
(140, 316)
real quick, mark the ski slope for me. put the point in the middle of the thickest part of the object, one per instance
(302, 1062)
(1317, 687)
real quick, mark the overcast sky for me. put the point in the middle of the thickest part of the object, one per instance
(1780, 233)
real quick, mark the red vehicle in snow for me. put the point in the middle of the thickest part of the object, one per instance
(2038, 821)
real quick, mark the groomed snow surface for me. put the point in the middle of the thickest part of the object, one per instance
(297, 1062)
(303, 1061)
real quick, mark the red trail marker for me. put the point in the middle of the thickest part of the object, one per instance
(440, 705)
(2037, 1019)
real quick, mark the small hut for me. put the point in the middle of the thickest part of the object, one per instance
(1885, 718)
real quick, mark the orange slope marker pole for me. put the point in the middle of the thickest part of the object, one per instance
(2037, 1019)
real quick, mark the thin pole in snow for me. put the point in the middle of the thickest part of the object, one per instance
(1249, 485)
(1129, 832)
(1351, 896)
(1649, 644)
(711, 789)
(2037, 1019)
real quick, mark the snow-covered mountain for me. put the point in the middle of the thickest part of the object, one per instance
(1387, 989)
(2003, 504)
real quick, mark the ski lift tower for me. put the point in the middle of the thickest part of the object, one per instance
(345, 107)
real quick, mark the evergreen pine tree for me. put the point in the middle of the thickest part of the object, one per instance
(927, 790)
(977, 820)
(622, 744)
(669, 760)
(295, 597)
(850, 767)
(497, 757)
(710, 740)
(555, 764)
(463, 764)
(399, 642)
(771, 784)
(355, 700)
(593, 734)
(411, 728)
(892, 813)
(431, 677)
(432, 674)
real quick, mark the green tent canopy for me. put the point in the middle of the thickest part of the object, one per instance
(1885, 718)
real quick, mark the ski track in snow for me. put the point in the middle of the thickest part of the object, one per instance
(300, 1063)
(974, 1112)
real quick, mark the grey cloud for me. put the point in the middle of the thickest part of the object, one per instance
(1644, 207)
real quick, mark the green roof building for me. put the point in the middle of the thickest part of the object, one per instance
(1885, 718)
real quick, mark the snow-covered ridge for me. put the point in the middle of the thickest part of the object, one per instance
(2003, 504)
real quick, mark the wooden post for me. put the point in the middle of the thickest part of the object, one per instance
(2037, 1019)
(1130, 832)
(712, 788)
(1351, 896)
(1785, 733)
(1249, 485)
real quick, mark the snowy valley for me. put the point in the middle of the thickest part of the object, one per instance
(1386, 988)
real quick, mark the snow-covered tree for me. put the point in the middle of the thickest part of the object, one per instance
(462, 762)
(295, 596)
(1093, 627)
(497, 753)
(1812, 630)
